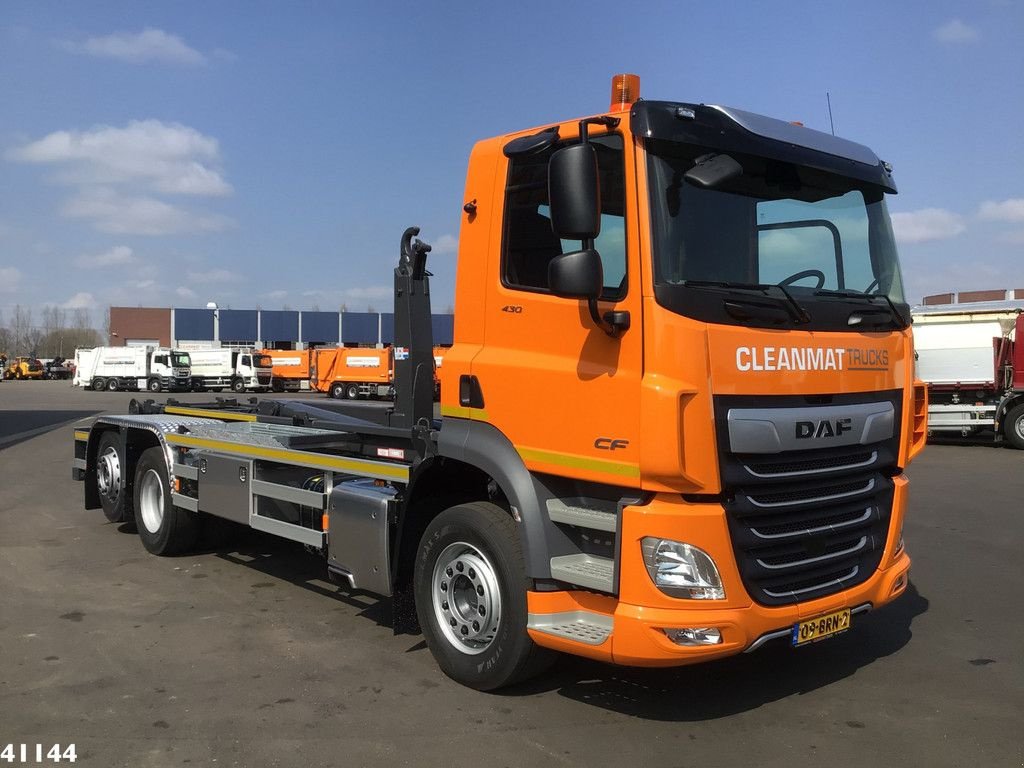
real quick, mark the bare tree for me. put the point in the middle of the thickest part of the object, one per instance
(6, 338)
(21, 324)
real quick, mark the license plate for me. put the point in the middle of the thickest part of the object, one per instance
(830, 624)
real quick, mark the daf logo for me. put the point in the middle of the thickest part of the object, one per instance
(806, 430)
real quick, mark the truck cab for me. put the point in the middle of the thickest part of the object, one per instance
(714, 351)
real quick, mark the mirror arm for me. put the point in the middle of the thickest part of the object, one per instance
(606, 120)
(611, 322)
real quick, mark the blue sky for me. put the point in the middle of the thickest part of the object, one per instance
(271, 154)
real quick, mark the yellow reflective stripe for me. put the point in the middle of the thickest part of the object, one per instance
(315, 460)
(579, 462)
(458, 412)
(81, 434)
(210, 414)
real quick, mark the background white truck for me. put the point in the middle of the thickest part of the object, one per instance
(130, 368)
(240, 370)
(974, 366)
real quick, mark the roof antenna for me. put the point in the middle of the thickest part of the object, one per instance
(832, 125)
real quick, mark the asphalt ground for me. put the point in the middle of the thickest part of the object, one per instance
(248, 656)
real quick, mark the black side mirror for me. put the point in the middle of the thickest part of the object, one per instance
(574, 193)
(576, 275)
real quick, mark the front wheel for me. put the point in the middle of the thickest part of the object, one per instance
(238, 386)
(1013, 427)
(154, 385)
(470, 586)
(164, 528)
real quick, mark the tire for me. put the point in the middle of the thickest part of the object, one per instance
(1013, 427)
(470, 559)
(99, 384)
(153, 385)
(17, 373)
(238, 386)
(164, 528)
(113, 480)
(113, 385)
(337, 390)
(352, 391)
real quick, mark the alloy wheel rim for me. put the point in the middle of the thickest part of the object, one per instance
(466, 598)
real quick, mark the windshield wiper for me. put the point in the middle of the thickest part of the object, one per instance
(868, 297)
(797, 312)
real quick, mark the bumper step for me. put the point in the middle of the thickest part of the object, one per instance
(584, 570)
(579, 626)
(584, 517)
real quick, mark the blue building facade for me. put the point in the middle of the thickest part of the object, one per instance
(290, 329)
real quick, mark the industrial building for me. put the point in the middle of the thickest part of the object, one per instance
(967, 297)
(269, 329)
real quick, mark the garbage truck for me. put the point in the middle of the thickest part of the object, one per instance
(674, 422)
(151, 368)
(238, 369)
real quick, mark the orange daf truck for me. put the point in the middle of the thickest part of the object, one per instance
(290, 368)
(352, 372)
(674, 421)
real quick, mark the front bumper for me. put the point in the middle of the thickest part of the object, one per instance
(641, 613)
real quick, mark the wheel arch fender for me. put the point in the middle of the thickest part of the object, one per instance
(484, 447)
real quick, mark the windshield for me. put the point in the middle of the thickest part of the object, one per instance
(827, 240)
(181, 360)
(264, 361)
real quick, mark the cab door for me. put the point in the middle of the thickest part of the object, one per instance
(563, 391)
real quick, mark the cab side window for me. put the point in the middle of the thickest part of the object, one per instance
(530, 243)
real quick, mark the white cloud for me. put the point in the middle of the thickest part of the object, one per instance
(213, 276)
(117, 256)
(185, 293)
(9, 279)
(445, 244)
(371, 292)
(81, 300)
(110, 211)
(277, 294)
(927, 224)
(956, 31)
(120, 175)
(141, 285)
(165, 157)
(1011, 210)
(149, 45)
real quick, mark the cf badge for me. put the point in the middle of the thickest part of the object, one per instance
(610, 444)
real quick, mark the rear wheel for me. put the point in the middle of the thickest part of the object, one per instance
(154, 385)
(164, 528)
(99, 384)
(113, 385)
(112, 479)
(1013, 427)
(470, 586)
(352, 391)
(337, 390)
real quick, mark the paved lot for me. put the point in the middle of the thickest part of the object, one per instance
(248, 656)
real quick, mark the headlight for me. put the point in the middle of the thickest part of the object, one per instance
(682, 570)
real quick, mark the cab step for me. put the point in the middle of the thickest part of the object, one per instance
(584, 570)
(579, 626)
(584, 517)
